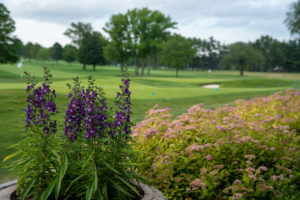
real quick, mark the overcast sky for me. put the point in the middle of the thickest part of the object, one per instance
(44, 21)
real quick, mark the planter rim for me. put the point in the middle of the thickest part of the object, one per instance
(8, 184)
(150, 193)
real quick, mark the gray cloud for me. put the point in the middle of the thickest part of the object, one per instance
(250, 17)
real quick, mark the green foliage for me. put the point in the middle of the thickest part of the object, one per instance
(37, 157)
(31, 50)
(248, 150)
(209, 53)
(147, 30)
(91, 50)
(273, 52)
(243, 55)
(177, 52)
(43, 54)
(70, 53)
(118, 44)
(10, 45)
(293, 18)
(95, 165)
(77, 32)
(56, 51)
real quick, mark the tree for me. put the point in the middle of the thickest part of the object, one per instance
(77, 31)
(272, 50)
(118, 47)
(177, 52)
(293, 18)
(43, 54)
(292, 54)
(147, 30)
(9, 44)
(70, 53)
(91, 50)
(34, 50)
(243, 55)
(159, 31)
(26, 50)
(56, 52)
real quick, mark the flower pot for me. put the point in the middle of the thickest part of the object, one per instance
(6, 189)
(150, 193)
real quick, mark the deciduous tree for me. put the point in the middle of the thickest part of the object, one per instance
(177, 52)
(9, 45)
(70, 53)
(56, 52)
(118, 47)
(91, 50)
(243, 55)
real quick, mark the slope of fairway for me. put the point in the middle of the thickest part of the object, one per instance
(160, 88)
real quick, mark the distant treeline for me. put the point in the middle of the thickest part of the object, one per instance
(142, 38)
(209, 54)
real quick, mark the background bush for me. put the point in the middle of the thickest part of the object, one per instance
(241, 151)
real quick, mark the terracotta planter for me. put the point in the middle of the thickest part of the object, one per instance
(150, 193)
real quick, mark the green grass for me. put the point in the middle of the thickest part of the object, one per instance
(176, 93)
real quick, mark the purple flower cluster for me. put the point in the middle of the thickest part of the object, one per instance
(122, 116)
(88, 112)
(75, 114)
(40, 106)
(96, 115)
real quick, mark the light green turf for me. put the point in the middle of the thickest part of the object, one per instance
(176, 93)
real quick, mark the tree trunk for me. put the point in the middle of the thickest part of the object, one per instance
(242, 71)
(143, 68)
(176, 72)
(148, 70)
(150, 64)
(84, 67)
(262, 68)
(155, 62)
(94, 67)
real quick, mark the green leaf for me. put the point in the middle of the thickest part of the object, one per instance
(104, 191)
(27, 189)
(89, 192)
(87, 160)
(110, 167)
(129, 185)
(74, 181)
(93, 186)
(48, 190)
(11, 156)
(61, 174)
(117, 186)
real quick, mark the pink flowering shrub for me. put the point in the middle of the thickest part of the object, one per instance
(247, 150)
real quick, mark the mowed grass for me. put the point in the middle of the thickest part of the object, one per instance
(160, 88)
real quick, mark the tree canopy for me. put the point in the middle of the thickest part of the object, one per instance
(9, 44)
(56, 52)
(293, 18)
(91, 50)
(77, 31)
(118, 43)
(177, 52)
(243, 55)
(70, 53)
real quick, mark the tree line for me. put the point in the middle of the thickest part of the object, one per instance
(142, 38)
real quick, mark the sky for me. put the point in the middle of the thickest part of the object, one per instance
(45, 21)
